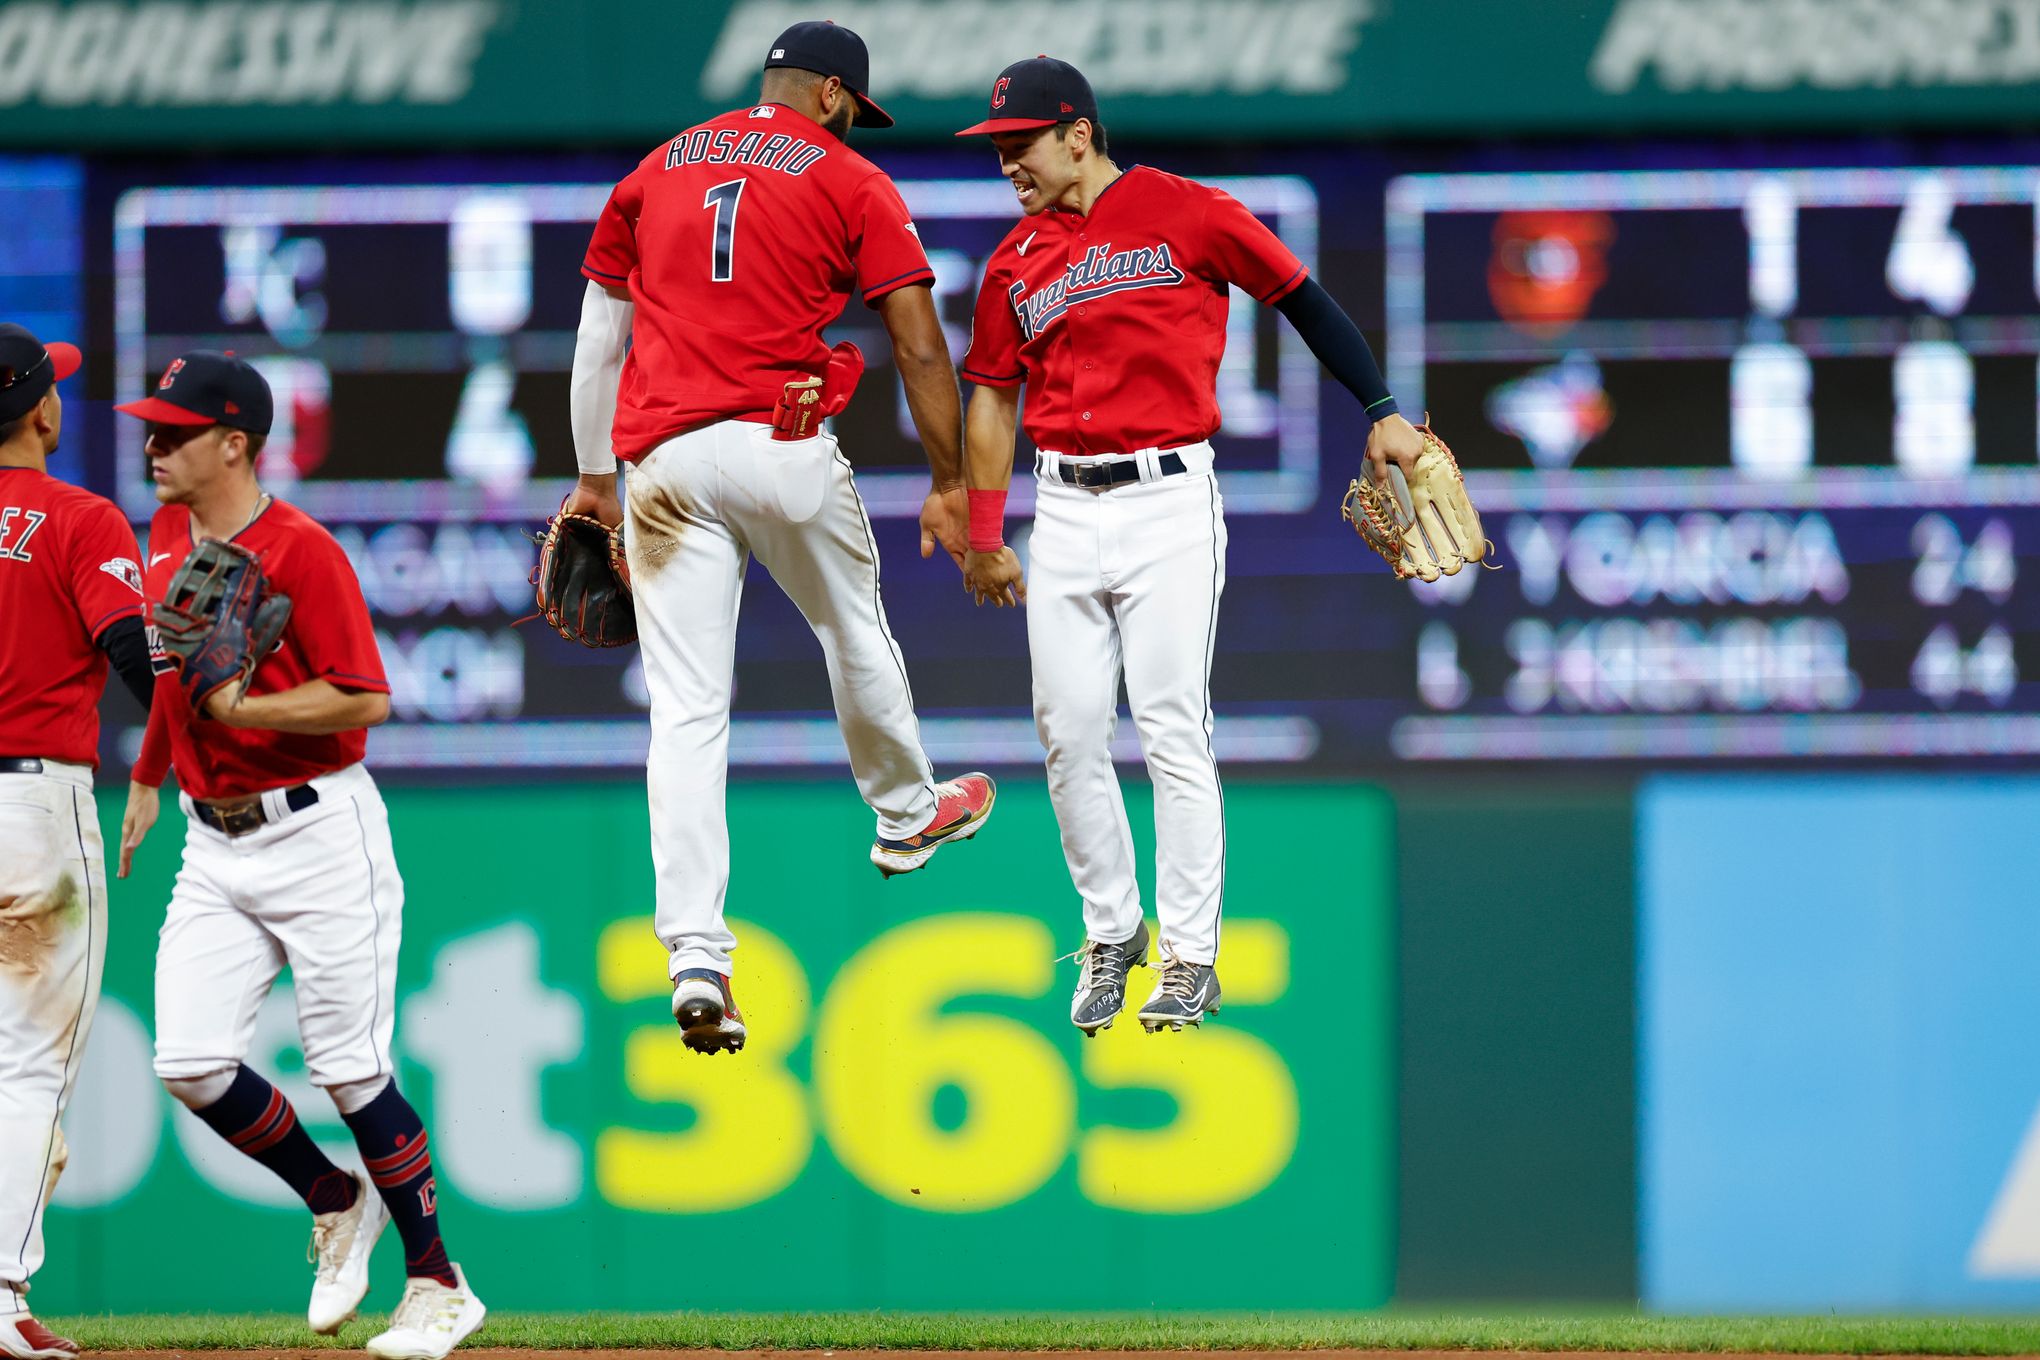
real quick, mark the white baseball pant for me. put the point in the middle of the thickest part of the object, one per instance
(697, 507)
(317, 889)
(52, 956)
(1128, 579)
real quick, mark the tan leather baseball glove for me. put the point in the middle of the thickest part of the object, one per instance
(1423, 525)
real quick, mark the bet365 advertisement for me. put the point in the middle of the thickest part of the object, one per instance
(914, 1123)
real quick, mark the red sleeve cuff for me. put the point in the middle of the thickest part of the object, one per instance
(923, 274)
(1288, 285)
(603, 275)
(994, 379)
(113, 616)
(367, 684)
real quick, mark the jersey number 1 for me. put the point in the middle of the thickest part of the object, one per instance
(723, 198)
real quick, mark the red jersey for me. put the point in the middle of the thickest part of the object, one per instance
(740, 240)
(329, 637)
(68, 568)
(1116, 321)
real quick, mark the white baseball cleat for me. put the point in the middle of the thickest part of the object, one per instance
(22, 1337)
(706, 1012)
(341, 1245)
(430, 1321)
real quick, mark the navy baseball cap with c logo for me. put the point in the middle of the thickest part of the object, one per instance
(29, 369)
(829, 50)
(1036, 93)
(206, 387)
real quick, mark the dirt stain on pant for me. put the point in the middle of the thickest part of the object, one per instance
(659, 519)
(32, 923)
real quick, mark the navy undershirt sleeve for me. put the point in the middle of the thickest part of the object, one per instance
(1338, 345)
(126, 645)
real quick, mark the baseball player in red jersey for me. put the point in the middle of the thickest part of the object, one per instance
(287, 859)
(70, 599)
(712, 272)
(1108, 301)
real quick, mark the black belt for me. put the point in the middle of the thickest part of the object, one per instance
(238, 819)
(1098, 473)
(20, 765)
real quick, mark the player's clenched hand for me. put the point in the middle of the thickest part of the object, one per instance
(595, 496)
(1392, 439)
(994, 576)
(945, 519)
(142, 805)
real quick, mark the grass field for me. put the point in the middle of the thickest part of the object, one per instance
(1394, 1330)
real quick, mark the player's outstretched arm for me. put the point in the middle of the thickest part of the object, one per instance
(991, 571)
(143, 803)
(315, 708)
(921, 353)
(1343, 350)
(599, 347)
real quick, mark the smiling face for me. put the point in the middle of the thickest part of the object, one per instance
(1042, 166)
(187, 460)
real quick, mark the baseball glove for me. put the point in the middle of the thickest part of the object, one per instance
(583, 581)
(1426, 527)
(218, 619)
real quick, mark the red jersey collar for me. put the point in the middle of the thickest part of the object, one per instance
(1072, 212)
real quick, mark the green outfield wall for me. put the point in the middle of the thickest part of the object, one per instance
(1517, 1048)
(915, 1124)
(180, 74)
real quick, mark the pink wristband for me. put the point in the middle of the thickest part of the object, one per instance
(987, 520)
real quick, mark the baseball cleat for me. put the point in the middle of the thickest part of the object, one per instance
(430, 1321)
(1184, 994)
(706, 1012)
(22, 1337)
(342, 1242)
(961, 806)
(1101, 985)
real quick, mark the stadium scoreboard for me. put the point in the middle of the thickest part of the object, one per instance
(1759, 449)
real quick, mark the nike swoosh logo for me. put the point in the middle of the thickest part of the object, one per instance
(157, 558)
(1021, 249)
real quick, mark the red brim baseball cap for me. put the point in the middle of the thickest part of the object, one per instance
(1037, 93)
(206, 387)
(163, 412)
(869, 114)
(991, 125)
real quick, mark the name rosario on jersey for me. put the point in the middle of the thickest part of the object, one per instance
(788, 155)
(1103, 270)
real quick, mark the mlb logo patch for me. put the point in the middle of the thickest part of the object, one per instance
(777, 53)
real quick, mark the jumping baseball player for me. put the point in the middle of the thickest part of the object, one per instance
(1108, 303)
(70, 600)
(287, 859)
(712, 272)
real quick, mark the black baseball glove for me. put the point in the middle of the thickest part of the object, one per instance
(583, 582)
(218, 619)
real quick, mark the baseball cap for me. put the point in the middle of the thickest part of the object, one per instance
(206, 387)
(819, 45)
(1036, 93)
(29, 369)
